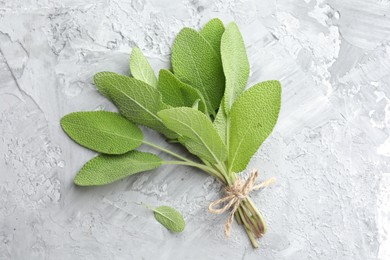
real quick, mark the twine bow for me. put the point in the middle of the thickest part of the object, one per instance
(235, 193)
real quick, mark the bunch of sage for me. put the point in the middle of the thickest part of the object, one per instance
(199, 103)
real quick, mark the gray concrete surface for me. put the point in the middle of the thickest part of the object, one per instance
(330, 149)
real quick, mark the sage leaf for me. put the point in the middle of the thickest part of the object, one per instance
(197, 133)
(212, 32)
(170, 218)
(105, 169)
(101, 82)
(235, 64)
(195, 62)
(221, 121)
(178, 94)
(136, 100)
(141, 69)
(252, 118)
(102, 131)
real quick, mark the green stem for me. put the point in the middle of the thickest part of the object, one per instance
(221, 169)
(205, 168)
(230, 178)
(166, 151)
(238, 218)
(248, 229)
(252, 220)
(258, 215)
(188, 162)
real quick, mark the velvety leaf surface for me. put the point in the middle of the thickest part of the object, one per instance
(212, 32)
(141, 69)
(102, 131)
(235, 64)
(178, 94)
(220, 122)
(197, 133)
(136, 100)
(105, 169)
(195, 62)
(170, 218)
(252, 118)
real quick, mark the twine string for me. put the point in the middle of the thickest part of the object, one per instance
(236, 193)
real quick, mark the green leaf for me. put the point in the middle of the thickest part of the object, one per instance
(141, 69)
(197, 133)
(220, 122)
(195, 62)
(105, 169)
(252, 118)
(102, 131)
(235, 64)
(100, 79)
(212, 32)
(176, 93)
(170, 218)
(136, 100)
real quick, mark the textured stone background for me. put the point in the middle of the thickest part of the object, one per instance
(330, 149)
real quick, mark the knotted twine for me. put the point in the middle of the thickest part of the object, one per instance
(236, 193)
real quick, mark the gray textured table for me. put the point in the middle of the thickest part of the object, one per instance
(330, 149)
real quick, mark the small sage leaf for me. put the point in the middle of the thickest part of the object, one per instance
(102, 131)
(141, 69)
(104, 169)
(170, 218)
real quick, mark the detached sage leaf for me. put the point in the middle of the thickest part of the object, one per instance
(235, 64)
(170, 218)
(141, 69)
(212, 32)
(102, 131)
(178, 94)
(197, 133)
(136, 100)
(105, 169)
(195, 62)
(252, 118)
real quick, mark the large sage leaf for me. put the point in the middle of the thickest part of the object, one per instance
(170, 218)
(178, 94)
(105, 169)
(102, 131)
(195, 62)
(136, 100)
(197, 133)
(141, 69)
(235, 64)
(212, 32)
(252, 118)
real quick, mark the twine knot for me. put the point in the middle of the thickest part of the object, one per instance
(236, 193)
